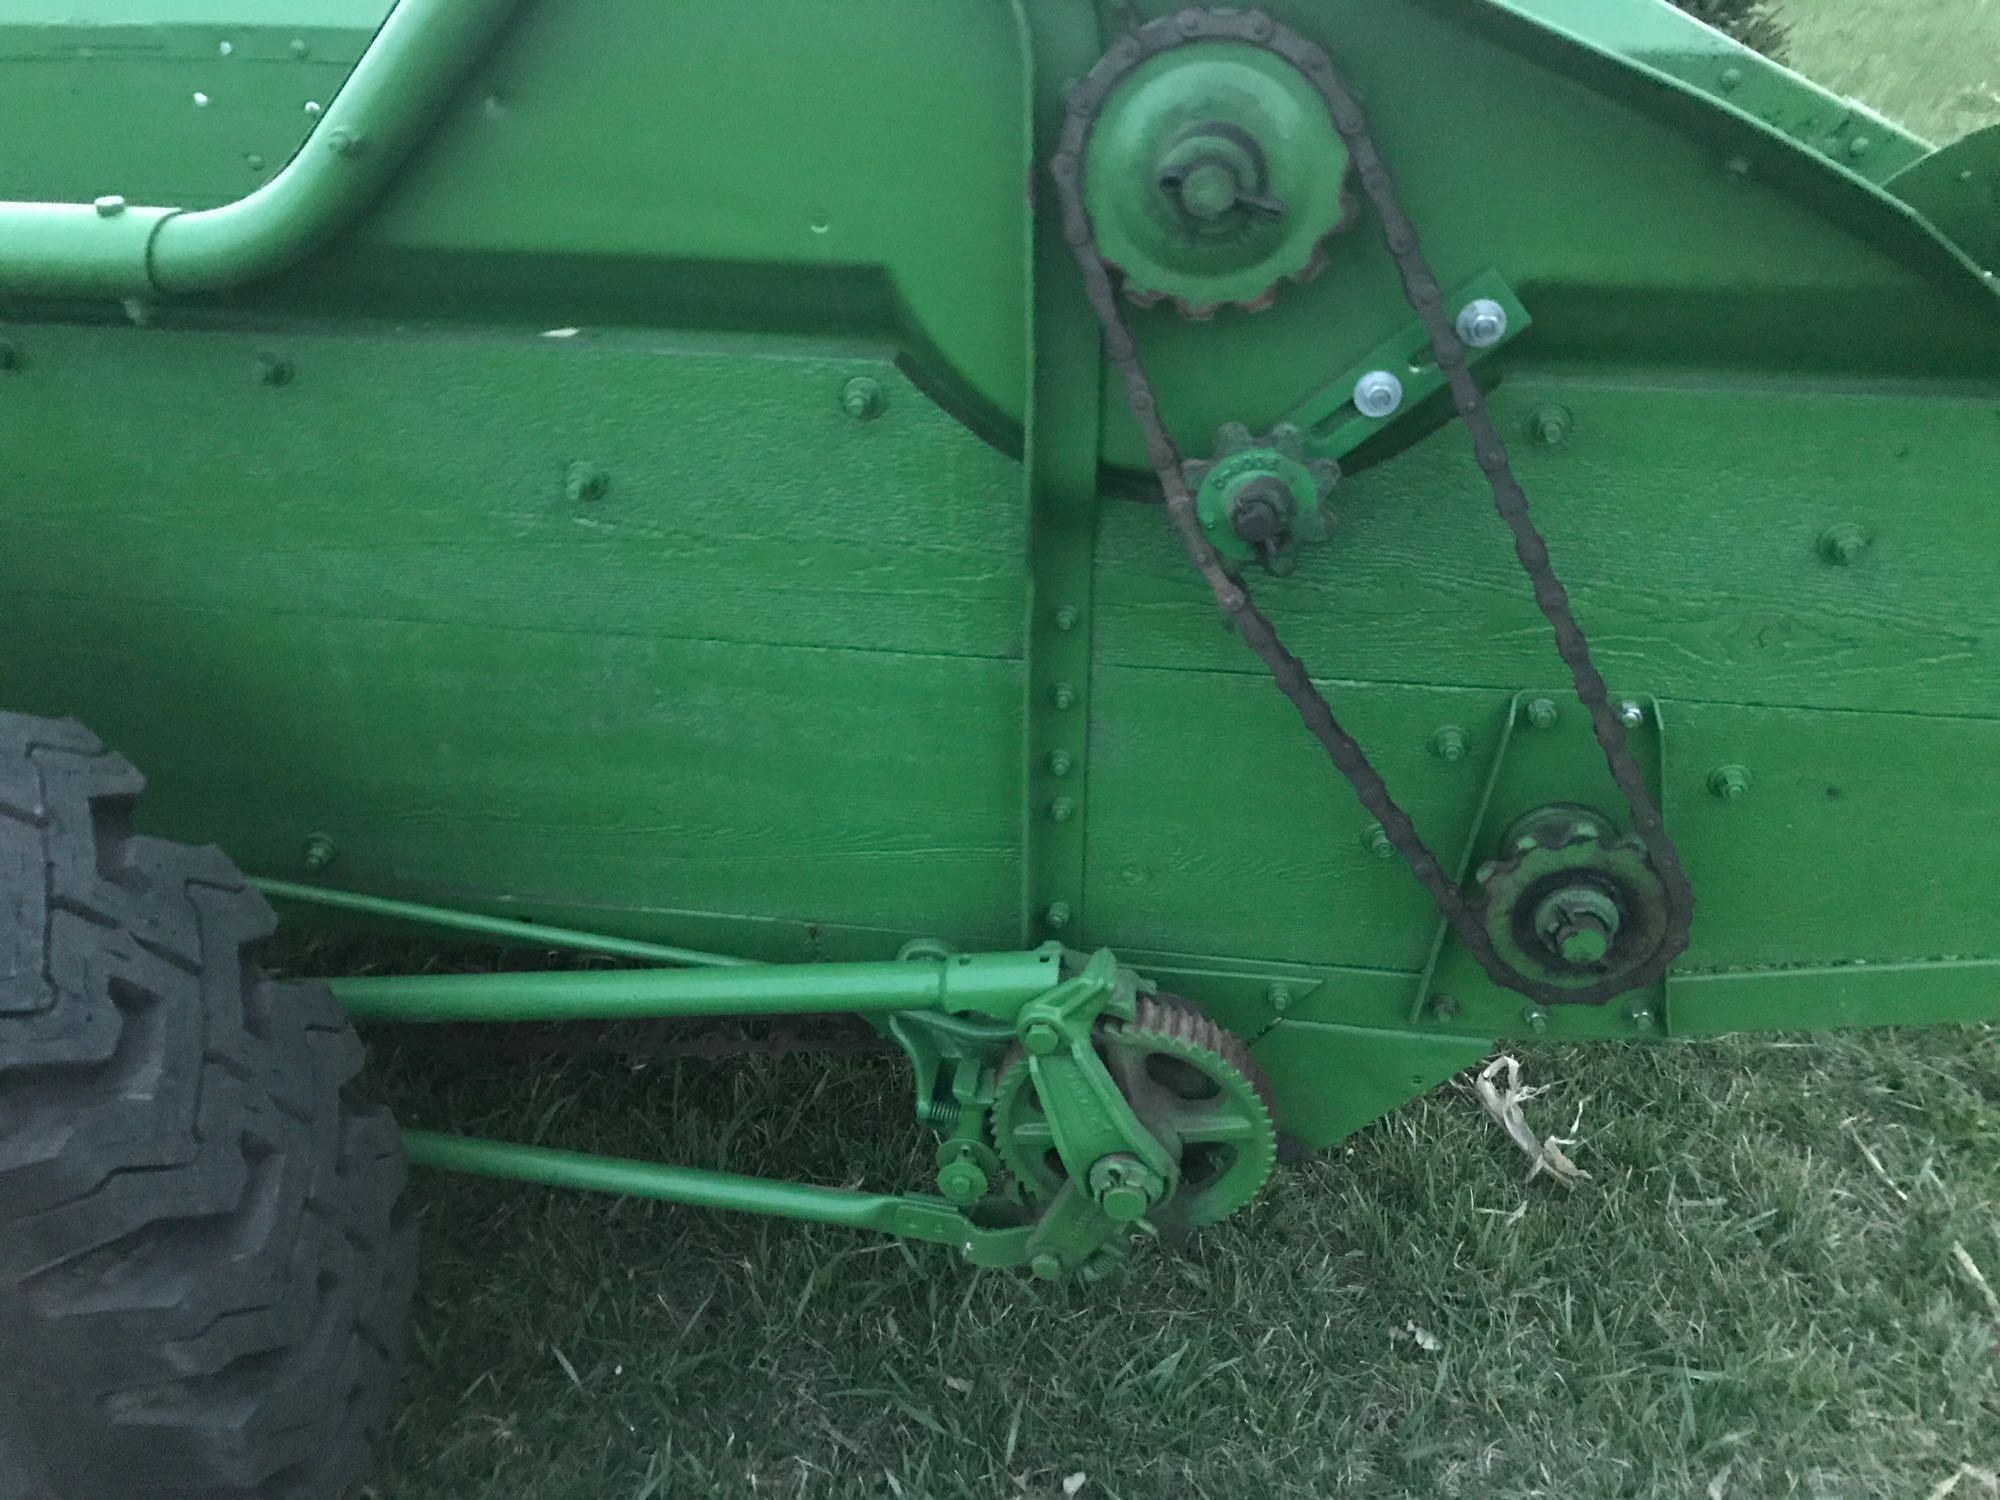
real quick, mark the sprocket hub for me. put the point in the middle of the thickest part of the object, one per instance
(1261, 499)
(1214, 174)
(1192, 1084)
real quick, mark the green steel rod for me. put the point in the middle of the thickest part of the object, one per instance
(996, 984)
(109, 248)
(919, 1218)
(507, 928)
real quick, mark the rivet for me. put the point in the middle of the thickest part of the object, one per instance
(584, 482)
(1732, 78)
(1057, 916)
(313, 108)
(1729, 782)
(861, 398)
(201, 100)
(1859, 147)
(225, 49)
(1060, 763)
(1377, 842)
(1067, 617)
(299, 48)
(1061, 810)
(254, 160)
(110, 206)
(1062, 695)
(1542, 713)
(320, 851)
(1843, 545)
(271, 370)
(1449, 743)
(1278, 997)
(1535, 1019)
(344, 142)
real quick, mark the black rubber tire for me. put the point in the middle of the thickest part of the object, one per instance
(205, 1271)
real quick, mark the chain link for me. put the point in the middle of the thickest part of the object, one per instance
(1420, 288)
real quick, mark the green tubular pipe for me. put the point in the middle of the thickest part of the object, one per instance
(408, 73)
(917, 1218)
(505, 928)
(994, 983)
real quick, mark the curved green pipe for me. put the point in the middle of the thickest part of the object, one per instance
(114, 249)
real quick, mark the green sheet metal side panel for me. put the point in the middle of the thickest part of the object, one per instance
(774, 669)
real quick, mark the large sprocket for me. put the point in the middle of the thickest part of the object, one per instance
(1192, 1084)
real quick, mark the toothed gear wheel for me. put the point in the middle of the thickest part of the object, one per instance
(1571, 901)
(1215, 174)
(1261, 499)
(1192, 1084)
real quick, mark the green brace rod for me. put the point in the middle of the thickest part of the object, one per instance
(114, 249)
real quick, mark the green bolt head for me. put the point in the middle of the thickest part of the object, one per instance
(1057, 917)
(1449, 743)
(1060, 763)
(1122, 1205)
(1551, 426)
(1042, 1039)
(1536, 1019)
(1729, 782)
(1279, 997)
(1377, 842)
(1067, 617)
(1046, 1267)
(320, 851)
(584, 482)
(1542, 713)
(1444, 1007)
(962, 1182)
(1124, 1187)
(862, 399)
(1062, 695)
(1843, 545)
(1061, 810)
(1640, 1014)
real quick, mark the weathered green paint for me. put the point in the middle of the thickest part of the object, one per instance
(572, 572)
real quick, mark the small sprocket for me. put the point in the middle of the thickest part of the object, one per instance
(1192, 1084)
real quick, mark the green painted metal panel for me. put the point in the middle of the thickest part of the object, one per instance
(1332, 1080)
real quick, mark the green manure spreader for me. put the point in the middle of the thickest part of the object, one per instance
(1195, 568)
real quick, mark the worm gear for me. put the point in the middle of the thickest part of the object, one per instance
(1192, 1084)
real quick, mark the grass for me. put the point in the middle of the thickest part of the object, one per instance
(1779, 1281)
(1939, 74)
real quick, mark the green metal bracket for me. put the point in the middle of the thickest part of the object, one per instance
(1334, 426)
(1546, 754)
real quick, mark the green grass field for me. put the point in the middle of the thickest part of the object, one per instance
(1782, 1278)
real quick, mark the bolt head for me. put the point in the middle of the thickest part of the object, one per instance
(1046, 1267)
(1843, 545)
(110, 206)
(1278, 997)
(1068, 617)
(1122, 1205)
(1208, 191)
(320, 851)
(271, 370)
(1444, 1007)
(1482, 324)
(1551, 426)
(1378, 394)
(1060, 763)
(1640, 1014)
(1729, 782)
(1631, 713)
(962, 1182)
(1449, 743)
(1061, 810)
(583, 482)
(1377, 842)
(1542, 713)
(1536, 1019)
(1042, 1039)
(1062, 695)
(862, 399)
(1057, 917)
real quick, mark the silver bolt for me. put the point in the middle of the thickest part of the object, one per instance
(110, 206)
(1378, 394)
(1631, 714)
(1483, 323)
